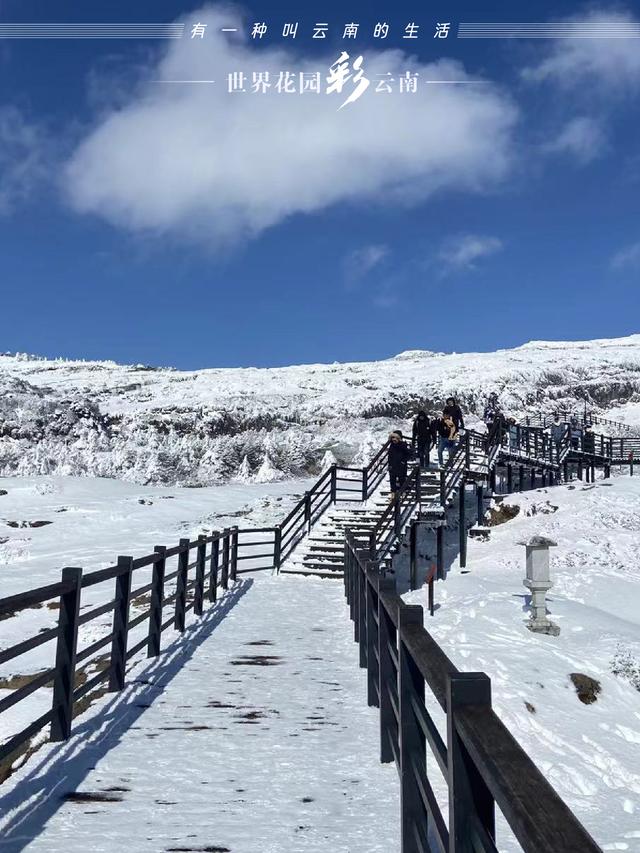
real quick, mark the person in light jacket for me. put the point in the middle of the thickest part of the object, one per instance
(447, 433)
(452, 410)
(557, 431)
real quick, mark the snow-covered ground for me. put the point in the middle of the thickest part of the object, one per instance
(589, 753)
(251, 734)
(92, 522)
(157, 425)
(95, 519)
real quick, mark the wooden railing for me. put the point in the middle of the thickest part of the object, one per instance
(584, 419)
(481, 762)
(533, 444)
(167, 597)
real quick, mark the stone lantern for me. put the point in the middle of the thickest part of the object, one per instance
(538, 582)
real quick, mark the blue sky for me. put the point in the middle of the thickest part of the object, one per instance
(179, 224)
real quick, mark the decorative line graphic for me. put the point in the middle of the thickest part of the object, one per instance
(554, 30)
(91, 31)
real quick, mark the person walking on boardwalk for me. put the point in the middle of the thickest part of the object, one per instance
(514, 435)
(589, 440)
(557, 431)
(447, 433)
(422, 437)
(576, 433)
(398, 458)
(453, 411)
(491, 411)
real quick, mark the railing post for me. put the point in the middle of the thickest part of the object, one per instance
(277, 548)
(462, 522)
(396, 516)
(353, 593)
(365, 484)
(120, 625)
(198, 592)
(467, 451)
(469, 797)
(387, 679)
(157, 597)
(440, 551)
(354, 596)
(480, 508)
(346, 558)
(213, 568)
(224, 579)
(65, 675)
(233, 574)
(372, 545)
(307, 510)
(412, 740)
(443, 490)
(181, 586)
(362, 615)
(371, 639)
(413, 555)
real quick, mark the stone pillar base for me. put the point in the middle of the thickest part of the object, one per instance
(540, 626)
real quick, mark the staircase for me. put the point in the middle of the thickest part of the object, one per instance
(356, 500)
(378, 524)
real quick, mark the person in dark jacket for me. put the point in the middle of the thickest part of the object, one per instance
(422, 437)
(576, 433)
(452, 410)
(398, 457)
(588, 440)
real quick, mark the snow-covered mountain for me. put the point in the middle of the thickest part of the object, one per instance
(159, 425)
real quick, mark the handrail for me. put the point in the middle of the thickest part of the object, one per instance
(386, 530)
(482, 763)
(454, 470)
(585, 419)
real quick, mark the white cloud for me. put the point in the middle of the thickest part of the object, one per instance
(627, 258)
(194, 160)
(597, 64)
(23, 157)
(582, 139)
(360, 262)
(463, 252)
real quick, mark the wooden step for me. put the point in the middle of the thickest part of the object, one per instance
(321, 566)
(307, 572)
(319, 546)
(329, 558)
